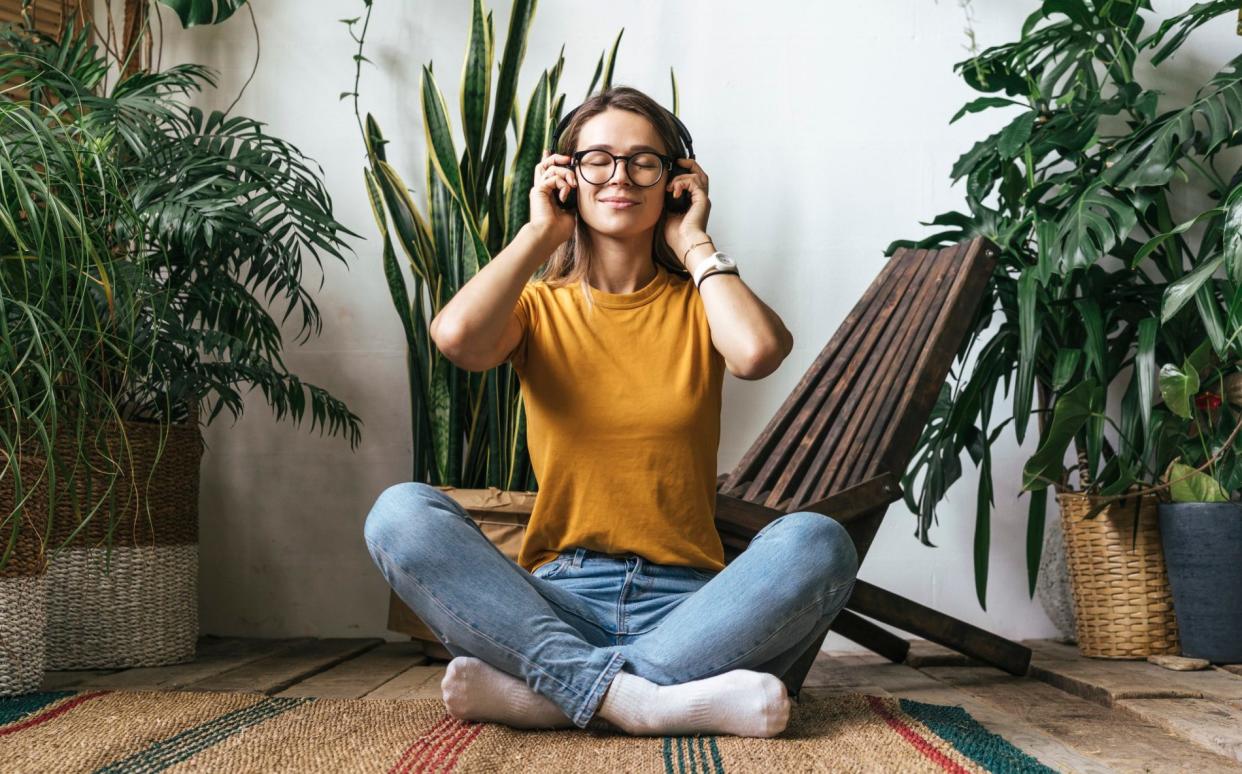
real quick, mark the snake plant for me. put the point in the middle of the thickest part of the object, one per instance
(468, 429)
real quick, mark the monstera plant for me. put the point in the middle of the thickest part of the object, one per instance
(468, 428)
(1108, 266)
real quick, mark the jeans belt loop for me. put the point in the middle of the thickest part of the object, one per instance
(579, 553)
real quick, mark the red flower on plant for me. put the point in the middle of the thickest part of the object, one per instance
(1207, 401)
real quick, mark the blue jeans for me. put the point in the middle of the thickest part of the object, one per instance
(569, 627)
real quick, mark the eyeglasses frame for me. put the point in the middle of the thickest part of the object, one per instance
(668, 162)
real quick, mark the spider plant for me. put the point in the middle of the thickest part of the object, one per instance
(69, 308)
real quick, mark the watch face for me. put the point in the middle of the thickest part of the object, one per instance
(725, 260)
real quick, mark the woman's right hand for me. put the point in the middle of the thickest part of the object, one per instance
(551, 180)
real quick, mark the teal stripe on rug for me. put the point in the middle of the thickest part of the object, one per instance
(991, 751)
(694, 755)
(14, 708)
(175, 749)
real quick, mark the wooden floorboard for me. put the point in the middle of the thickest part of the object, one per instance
(420, 682)
(361, 675)
(1109, 680)
(277, 672)
(216, 655)
(1201, 706)
(1114, 737)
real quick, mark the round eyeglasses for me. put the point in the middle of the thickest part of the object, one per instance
(598, 166)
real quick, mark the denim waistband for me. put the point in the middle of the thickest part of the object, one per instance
(578, 554)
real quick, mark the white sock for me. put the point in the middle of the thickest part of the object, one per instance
(740, 702)
(473, 689)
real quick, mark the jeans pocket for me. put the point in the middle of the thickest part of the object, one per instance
(550, 569)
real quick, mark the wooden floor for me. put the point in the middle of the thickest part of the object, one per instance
(1070, 712)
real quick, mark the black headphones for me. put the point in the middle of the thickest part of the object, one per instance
(675, 204)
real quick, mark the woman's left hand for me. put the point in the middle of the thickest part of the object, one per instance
(680, 228)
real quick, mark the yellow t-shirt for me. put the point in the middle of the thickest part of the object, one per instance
(623, 422)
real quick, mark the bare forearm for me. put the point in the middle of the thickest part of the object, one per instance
(474, 318)
(749, 334)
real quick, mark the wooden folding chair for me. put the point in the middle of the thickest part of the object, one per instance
(841, 441)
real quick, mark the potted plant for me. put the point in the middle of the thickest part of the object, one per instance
(1201, 522)
(221, 218)
(65, 299)
(1081, 190)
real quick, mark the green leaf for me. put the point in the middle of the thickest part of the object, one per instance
(1232, 238)
(1070, 414)
(1152, 155)
(1210, 315)
(1157, 241)
(982, 103)
(440, 138)
(1145, 369)
(1035, 517)
(476, 88)
(1193, 486)
(612, 60)
(1178, 293)
(534, 139)
(1015, 135)
(1028, 345)
(1092, 225)
(1177, 387)
(195, 12)
(520, 15)
(1065, 368)
(1094, 346)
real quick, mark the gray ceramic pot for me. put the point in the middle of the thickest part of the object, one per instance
(1203, 553)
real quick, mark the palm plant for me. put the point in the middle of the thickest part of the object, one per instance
(1081, 190)
(468, 428)
(201, 221)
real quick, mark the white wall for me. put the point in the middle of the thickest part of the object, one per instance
(824, 129)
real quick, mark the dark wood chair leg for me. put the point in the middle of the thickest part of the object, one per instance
(871, 636)
(910, 616)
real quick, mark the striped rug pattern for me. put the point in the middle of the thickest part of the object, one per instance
(150, 731)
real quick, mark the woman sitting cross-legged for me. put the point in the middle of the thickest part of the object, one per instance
(620, 605)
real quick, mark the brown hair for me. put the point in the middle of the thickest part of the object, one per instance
(569, 262)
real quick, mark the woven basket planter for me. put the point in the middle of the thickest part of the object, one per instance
(23, 591)
(138, 605)
(1123, 604)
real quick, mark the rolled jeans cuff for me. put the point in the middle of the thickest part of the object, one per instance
(595, 696)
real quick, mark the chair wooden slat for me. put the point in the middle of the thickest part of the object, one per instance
(893, 377)
(764, 447)
(817, 418)
(865, 385)
(901, 435)
(858, 410)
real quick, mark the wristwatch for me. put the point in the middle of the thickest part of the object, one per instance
(715, 261)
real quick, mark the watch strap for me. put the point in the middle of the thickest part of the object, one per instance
(716, 260)
(713, 273)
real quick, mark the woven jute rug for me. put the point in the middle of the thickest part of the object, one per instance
(148, 731)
